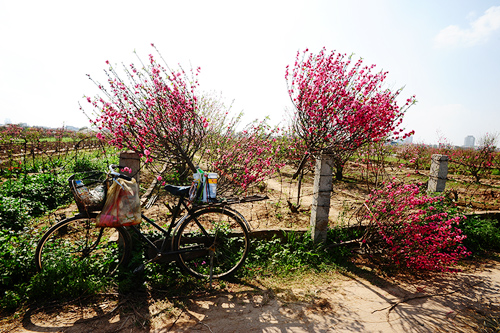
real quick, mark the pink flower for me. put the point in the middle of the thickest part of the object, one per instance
(127, 169)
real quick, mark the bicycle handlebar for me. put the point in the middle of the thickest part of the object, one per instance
(116, 174)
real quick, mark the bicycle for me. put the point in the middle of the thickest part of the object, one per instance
(210, 240)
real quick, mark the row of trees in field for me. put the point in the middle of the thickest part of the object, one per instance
(13, 133)
(478, 162)
(18, 144)
(16, 139)
(341, 108)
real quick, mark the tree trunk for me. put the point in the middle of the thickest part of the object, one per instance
(339, 173)
(299, 186)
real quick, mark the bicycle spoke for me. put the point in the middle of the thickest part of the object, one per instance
(223, 237)
(75, 244)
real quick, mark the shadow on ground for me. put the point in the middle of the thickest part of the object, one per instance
(360, 300)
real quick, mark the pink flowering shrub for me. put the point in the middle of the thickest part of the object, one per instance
(415, 230)
(158, 113)
(243, 159)
(152, 111)
(341, 105)
(416, 156)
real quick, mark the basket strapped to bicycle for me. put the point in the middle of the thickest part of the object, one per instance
(89, 190)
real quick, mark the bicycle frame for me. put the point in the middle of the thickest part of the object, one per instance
(164, 253)
(165, 248)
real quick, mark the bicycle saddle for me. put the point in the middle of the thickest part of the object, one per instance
(181, 191)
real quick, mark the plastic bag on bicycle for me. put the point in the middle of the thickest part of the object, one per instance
(204, 187)
(122, 206)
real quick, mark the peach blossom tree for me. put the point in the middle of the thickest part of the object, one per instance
(415, 230)
(341, 105)
(158, 112)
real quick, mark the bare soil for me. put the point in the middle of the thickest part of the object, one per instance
(361, 302)
(361, 299)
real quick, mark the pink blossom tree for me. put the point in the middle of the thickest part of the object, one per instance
(153, 111)
(416, 156)
(244, 159)
(477, 162)
(415, 230)
(158, 112)
(341, 105)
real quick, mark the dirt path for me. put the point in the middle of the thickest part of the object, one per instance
(353, 304)
(360, 302)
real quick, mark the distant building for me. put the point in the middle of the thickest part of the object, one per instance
(469, 141)
(408, 140)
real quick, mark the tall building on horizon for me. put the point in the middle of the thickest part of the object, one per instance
(469, 141)
(408, 140)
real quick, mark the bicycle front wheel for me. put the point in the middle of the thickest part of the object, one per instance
(77, 245)
(213, 242)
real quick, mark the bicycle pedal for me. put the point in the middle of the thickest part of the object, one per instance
(139, 269)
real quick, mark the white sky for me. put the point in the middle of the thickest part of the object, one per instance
(446, 52)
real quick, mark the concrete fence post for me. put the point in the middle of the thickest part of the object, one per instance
(132, 160)
(321, 198)
(438, 173)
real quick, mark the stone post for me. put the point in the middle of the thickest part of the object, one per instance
(438, 173)
(132, 160)
(321, 198)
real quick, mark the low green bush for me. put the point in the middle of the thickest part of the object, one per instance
(31, 196)
(21, 284)
(17, 250)
(292, 252)
(483, 234)
(14, 212)
(87, 163)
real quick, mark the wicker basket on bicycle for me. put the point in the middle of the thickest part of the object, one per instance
(89, 190)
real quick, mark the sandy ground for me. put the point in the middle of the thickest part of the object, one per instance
(354, 305)
(450, 303)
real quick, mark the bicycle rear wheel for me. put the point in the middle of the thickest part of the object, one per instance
(76, 244)
(213, 242)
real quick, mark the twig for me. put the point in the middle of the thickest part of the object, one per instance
(124, 322)
(176, 319)
(200, 322)
(359, 240)
(410, 298)
(173, 324)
